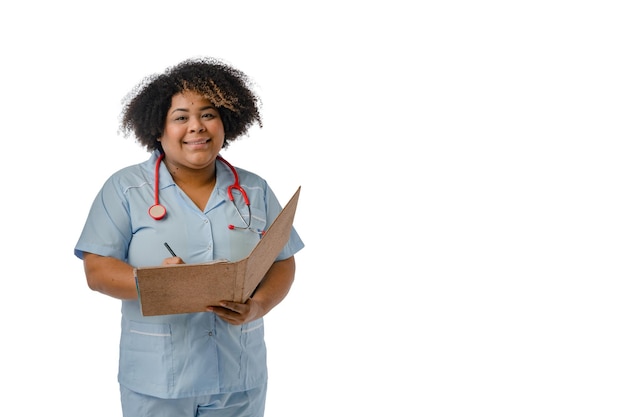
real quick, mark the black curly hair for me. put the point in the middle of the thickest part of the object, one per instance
(145, 107)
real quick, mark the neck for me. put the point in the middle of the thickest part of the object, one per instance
(192, 177)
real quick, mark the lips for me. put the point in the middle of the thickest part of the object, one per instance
(196, 142)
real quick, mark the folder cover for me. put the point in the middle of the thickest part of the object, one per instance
(176, 289)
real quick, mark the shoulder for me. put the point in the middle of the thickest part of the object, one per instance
(131, 176)
(246, 176)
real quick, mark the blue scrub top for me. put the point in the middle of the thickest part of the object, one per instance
(182, 355)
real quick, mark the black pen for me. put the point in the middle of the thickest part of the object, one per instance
(169, 249)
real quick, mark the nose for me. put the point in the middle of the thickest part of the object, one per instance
(195, 125)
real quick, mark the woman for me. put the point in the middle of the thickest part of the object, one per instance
(209, 363)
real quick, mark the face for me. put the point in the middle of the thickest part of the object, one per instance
(194, 132)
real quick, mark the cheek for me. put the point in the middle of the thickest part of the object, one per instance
(172, 134)
(217, 128)
(216, 125)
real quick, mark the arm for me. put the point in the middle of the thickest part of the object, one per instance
(271, 291)
(113, 277)
(110, 276)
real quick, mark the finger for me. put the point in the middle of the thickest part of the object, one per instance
(227, 315)
(222, 312)
(231, 306)
(174, 260)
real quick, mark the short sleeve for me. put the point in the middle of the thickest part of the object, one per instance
(107, 230)
(274, 208)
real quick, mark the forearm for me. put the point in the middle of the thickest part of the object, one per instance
(110, 276)
(276, 284)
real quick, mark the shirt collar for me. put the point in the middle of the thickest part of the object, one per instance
(224, 176)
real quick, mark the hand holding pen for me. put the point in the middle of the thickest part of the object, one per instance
(174, 260)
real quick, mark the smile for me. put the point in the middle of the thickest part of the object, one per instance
(197, 142)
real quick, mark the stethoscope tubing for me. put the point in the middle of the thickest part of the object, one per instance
(157, 211)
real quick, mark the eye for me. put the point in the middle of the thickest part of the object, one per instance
(180, 118)
(208, 116)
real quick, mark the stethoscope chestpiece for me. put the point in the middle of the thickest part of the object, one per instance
(157, 211)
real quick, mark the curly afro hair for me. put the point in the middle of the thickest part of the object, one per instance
(146, 106)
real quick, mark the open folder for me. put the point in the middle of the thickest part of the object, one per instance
(176, 289)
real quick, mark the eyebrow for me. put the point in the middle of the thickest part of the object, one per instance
(201, 109)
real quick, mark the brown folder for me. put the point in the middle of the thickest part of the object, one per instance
(176, 289)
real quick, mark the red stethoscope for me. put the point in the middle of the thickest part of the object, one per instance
(157, 211)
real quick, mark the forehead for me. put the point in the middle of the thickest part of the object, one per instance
(186, 99)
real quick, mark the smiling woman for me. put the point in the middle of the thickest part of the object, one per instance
(227, 88)
(183, 363)
(192, 139)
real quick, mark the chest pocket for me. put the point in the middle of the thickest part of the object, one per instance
(243, 239)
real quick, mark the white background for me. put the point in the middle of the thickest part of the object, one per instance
(462, 172)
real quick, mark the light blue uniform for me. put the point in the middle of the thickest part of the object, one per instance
(182, 355)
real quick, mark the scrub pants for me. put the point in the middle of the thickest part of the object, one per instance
(235, 404)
